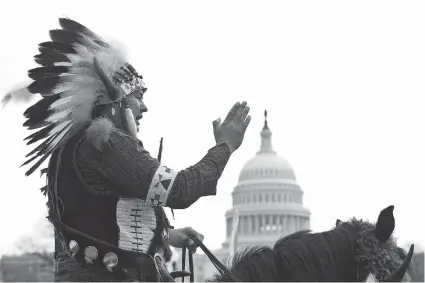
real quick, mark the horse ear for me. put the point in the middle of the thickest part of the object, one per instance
(338, 222)
(385, 224)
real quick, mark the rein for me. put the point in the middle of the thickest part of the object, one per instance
(220, 267)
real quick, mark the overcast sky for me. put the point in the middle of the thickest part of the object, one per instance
(343, 82)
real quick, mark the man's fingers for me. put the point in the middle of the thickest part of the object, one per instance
(246, 123)
(216, 122)
(244, 114)
(192, 246)
(232, 112)
(191, 234)
(239, 111)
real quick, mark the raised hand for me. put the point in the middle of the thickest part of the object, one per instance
(232, 130)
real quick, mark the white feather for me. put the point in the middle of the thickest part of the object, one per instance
(59, 115)
(82, 70)
(83, 110)
(91, 46)
(59, 127)
(118, 49)
(19, 94)
(63, 87)
(58, 139)
(66, 64)
(73, 58)
(22, 95)
(110, 62)
(79, 81)
(99, 131)
(371, 278)
(83, 51)
(61, 103)
(77, 102)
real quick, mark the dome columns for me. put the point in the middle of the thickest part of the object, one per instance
(268, 224)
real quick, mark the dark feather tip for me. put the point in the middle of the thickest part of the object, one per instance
(44, 86)
(50, 58)
(47, 72)
(71, 25)
(41, 134)
(66, 36)
(58, 46)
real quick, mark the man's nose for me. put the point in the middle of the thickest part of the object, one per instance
(143, 107)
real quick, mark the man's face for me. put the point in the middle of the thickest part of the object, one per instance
(137, 106)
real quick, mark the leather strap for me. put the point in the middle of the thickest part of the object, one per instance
(192, 275)
(184, 272)
(220, 267)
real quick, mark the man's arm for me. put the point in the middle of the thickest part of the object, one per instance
(127, 164)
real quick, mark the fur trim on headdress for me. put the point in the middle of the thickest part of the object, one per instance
(99, 131)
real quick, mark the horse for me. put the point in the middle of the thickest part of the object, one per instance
(353, 251)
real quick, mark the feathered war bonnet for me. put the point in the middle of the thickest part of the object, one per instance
(72, 82)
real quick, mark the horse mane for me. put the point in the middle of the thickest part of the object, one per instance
(256, 263)
(294, 256)
(306, 256)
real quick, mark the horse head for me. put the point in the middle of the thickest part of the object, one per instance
(377, 256)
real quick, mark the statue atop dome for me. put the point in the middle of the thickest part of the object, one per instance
(265, 120)
(266, 141)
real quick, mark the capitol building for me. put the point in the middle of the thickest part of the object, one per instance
(268, 201)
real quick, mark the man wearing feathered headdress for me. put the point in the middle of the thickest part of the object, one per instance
(105, 192)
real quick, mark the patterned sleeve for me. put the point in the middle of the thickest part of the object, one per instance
(136, 174)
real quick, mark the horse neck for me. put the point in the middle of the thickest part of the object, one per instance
(343, 242)
(327, 256)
